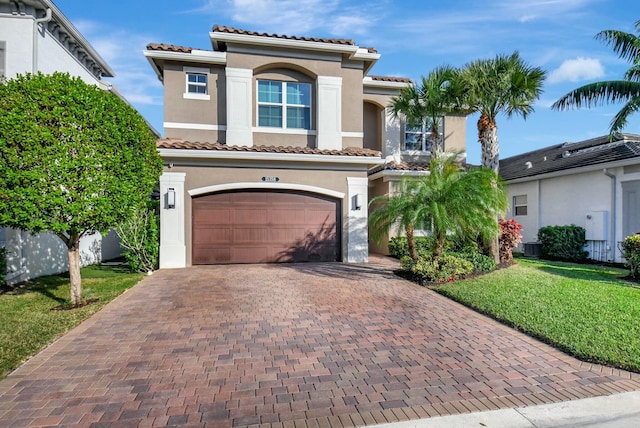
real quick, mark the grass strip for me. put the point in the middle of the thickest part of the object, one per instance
(586, 311)
(28, 321)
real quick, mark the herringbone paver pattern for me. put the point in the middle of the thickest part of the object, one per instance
(288, 346)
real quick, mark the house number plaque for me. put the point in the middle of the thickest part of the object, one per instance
(271, 179)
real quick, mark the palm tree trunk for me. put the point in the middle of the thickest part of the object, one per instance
(411, 242)
(437, 145)
(488, 136)
(439, 247)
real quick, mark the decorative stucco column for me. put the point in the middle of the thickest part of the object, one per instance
(173, 250)
(392, 134)
(329, 115)
(357, 229)
(239, 106)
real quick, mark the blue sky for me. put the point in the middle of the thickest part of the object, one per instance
(413, 37)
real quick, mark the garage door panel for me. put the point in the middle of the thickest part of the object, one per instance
(281, 235)
(264, 226)
(221, 235)
(248, 235)
(249, 198)
(286, 216)
(212, 215)
(249, 215)
(212, 255)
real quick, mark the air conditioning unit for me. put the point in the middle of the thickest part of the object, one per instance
(532, 249)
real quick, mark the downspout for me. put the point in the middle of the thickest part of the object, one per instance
(36, 23)
(613, 211)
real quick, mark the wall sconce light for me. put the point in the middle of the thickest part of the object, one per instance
(356, 202)
(171, 197)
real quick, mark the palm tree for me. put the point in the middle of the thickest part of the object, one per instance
(437, 95)
(449, 200)
(399, 211)
(504, 84)
(627, 46)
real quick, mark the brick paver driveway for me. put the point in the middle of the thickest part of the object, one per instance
(288, 345)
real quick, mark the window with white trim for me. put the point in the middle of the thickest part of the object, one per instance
(520, 205)
(197, 83)
(284, 104)
(418, 137)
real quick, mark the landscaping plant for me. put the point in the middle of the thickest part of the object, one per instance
(74, 160)
(563, 243)
(631, 253)
(140, 237)
(510, 237)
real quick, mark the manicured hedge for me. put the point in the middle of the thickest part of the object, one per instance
(563, 243)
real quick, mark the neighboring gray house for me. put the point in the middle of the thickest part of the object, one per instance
(35, 36)
(593, 183)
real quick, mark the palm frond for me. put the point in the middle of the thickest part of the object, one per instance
(599, 93)
(625, 45)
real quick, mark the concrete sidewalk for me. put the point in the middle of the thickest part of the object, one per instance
(613, 411)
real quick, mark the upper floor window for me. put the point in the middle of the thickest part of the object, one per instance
(284, 104)
(520, 205)
(418, 137)
(197, 83)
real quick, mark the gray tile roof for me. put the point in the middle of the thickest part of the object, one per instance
(570, 155)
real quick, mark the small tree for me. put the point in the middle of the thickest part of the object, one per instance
(74, 160)
(140, 237)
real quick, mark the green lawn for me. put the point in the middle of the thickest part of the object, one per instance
(584, 310)
(28, 323)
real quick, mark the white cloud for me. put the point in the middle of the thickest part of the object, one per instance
(576, 70)
(297, 17)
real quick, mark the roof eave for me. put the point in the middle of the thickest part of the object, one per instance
(197, 56)
(381, 84)
(247, 39)
(267, 156)
(59, 17)
(578, 170)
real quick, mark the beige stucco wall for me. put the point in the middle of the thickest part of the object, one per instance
(280, 65)
(203, 176)
(378, 187)
(184, 110)
(455, 133)
(372, 126)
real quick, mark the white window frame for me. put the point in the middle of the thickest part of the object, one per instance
(196, 71)
(424, 134)
(283, 105)
(522, 204)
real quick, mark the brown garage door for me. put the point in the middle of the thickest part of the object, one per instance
(265, 226)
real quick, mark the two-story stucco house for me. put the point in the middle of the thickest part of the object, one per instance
(35, 36)
(274, 145)
(594, 184)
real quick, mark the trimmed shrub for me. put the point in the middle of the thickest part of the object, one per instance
(447, 269)
(480, 262)
(563, 243)
(398, 247)
(510, 237)
(631, 253)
